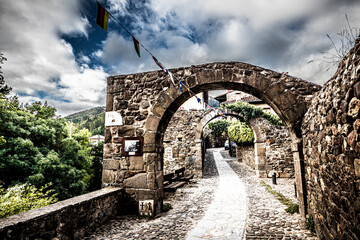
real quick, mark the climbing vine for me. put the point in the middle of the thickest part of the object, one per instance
(240, 133)
(249, 111)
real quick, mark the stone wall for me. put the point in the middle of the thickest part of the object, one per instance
(69, 219)
(278, 151)
(331, 143)
(180, 148)
(246, 154)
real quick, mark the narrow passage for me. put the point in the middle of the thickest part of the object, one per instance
(226, 216)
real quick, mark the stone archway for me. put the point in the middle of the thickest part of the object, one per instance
(259, 135)
(147, 101)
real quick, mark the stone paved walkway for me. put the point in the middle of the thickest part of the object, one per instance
(225, 217)
(267, 218)
(189, 205)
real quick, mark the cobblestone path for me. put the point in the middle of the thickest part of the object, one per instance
(189, 205)
(267, 218)
(225, 217)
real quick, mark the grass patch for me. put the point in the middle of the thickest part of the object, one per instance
(310, 224)
(167, 207)
(291, 207)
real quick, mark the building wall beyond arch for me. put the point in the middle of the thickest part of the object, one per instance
(182, 145)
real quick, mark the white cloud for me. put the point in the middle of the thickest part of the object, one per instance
(39, 60)
(281, 35)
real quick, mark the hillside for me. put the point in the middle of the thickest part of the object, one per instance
(83, 115)
(93, 119)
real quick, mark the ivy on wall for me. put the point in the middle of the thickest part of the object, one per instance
(249, 111)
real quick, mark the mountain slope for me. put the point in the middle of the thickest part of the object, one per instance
(93, 119)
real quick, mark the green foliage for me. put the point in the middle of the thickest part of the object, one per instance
(4, 89)
(219, 126)
(92, 119)
(96, 169)
(167, 207)
(240, 133)
(310, 224)
(95, 124)
(249, 111)
(24, 197)
(291, 207)
(38, 150)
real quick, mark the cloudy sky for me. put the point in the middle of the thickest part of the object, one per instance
(57, 53)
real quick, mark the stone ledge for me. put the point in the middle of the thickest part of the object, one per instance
(96, 207)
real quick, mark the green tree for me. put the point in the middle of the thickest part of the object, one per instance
(4, 89)
(39, 150)
(219, 126)
(97, 152)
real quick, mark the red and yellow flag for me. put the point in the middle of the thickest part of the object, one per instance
(102, 18)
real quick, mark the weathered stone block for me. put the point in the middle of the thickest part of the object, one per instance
(151, 180)
(158, 110)
(110, 164)
(109, 102)
(108, 176)
(357, 167)
(354, 107)
(138, 181)
(152, 123)
(136, 163)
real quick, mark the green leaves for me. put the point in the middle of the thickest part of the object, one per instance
(37, 149)
(249, 111)
(219, 126)
(24, 197)
(240, 133)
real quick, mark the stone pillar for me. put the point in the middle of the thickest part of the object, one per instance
(238, 153)
(198, 160)
(296, 147)
(260, 159)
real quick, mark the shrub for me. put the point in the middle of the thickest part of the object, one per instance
(24, 197)
(240, 133)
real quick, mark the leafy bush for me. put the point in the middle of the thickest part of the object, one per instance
(240, 133)
(249, 111)
(24, 197)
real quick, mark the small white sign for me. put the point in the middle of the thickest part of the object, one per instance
(113, 119)
(146, 208)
